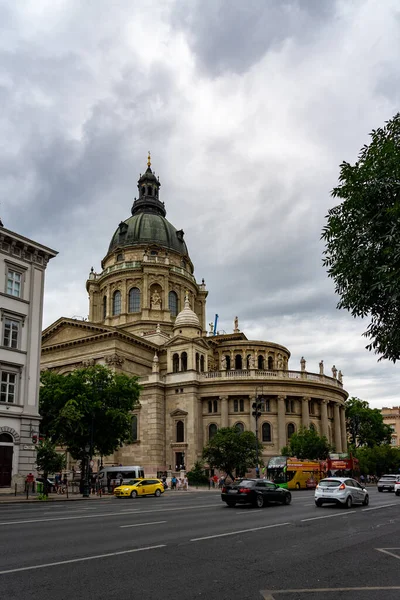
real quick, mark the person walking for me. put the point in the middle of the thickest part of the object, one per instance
(185, 483)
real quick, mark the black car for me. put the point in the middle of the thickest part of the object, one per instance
(257, 492)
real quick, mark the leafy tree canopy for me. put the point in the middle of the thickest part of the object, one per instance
(365, 425)
(196, 475)
(231, 451)
(306, 443)
(378, 460)
(362, 235)
(94, 399)
(48, 460)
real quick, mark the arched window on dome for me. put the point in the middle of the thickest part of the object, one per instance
(149, 190)
(184, 361)
(117, 303)
(104, 307)
(180, 431)
(238, 361)
(239, 427)
(143, 190)
(291, 429)
(212, 430)
(134, 300)
(202, 363)
(175, 363)
(270, 363)
(260, 362)
(173, 303)
(266, 432)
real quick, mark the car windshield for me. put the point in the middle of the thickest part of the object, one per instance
(132, 482)
(329, 483)
(244, 483)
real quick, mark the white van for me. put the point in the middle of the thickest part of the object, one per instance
(111, 476)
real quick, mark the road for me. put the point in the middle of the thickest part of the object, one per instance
(190, 545)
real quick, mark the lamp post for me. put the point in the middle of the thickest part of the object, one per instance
(86, 483)
(257, 408)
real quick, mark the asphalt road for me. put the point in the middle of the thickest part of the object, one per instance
(190, 545)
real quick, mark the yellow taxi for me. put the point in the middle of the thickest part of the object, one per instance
(140, 487)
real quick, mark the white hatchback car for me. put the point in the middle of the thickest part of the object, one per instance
(397, 486)
(342, 491)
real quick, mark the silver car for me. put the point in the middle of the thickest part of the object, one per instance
(342, 491)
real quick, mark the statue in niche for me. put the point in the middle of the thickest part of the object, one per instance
(303, 363)
(236, 325)
(321, 367)
(156, 301)
(251, 362)
(223, 363)
(334, 372)
(340, 376)
(156, 365)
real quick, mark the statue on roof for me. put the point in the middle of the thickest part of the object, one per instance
(236, 325)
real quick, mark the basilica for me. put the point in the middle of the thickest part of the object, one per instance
(147, 317)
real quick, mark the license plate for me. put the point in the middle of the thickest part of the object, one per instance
(232, 492)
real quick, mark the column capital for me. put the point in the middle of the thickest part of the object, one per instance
(306, 398)
(323, 401)
(223, 397)
(281, 398)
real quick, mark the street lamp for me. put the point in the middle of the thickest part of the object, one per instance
(257, 408)
(86, 483)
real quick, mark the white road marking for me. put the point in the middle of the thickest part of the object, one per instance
(142, 524)
(270, 595)
(218, 535)
(348, 512)
(378, 507)
(76, 560)
(386, 551)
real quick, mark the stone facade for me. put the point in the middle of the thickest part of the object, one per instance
(147, 317)
(22, 268)
(391, 417)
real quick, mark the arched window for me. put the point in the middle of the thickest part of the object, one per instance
(117, 303)
(173, 303)
(6, 438)
(212, 430)
(184, 361)
(143, 190)
(270, 363)
(104, 307)
(291, 429)
(215, 405)
(120, 257)
(228, 362)
(134, 300)
(260, 362)
(239, 427)
(149, 191)
(134, 428)
(180, 431)
(202, 363)
(175, 363)
(311, 405)
(266, 432)
(267, 405)
(238, 361)
(197, 362)
(236, 405)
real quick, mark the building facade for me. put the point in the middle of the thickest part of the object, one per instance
(147, 317)
(391, 417)
(22, 270)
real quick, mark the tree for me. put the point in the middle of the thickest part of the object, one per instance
(307, 444)
(90, 406)
(231, 450)
(378, 460)
(196, 475)
(362, 235)
(48, 460)
(365, 425)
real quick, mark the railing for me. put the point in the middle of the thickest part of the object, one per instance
(137, 264)
(258, 374)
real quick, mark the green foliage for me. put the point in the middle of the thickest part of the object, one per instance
(365, 425)
(362, 235)
(196, 475)
(307, 444)
(93, 401)
(378, 460)
(231, 450)
(48, 460)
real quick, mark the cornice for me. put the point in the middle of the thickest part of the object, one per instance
(105, 335)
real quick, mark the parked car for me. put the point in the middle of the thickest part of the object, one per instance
(397, 486)
(342, 491)
(257, 492)
(387, 483)
(140, 487)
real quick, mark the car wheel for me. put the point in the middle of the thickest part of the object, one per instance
(349, 502)
(366, 500)
(298, 486)
(398, 493)
(318, 503)
(380, 489)
(259, 501)
(157, 493)
(287, 499)
(231, 503)
(133, 494)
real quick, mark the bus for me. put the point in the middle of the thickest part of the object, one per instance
(294, 474)
(111, 476)
(341, 465)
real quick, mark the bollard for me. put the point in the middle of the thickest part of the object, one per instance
(27, 490)
(15, 490)
(67, 489)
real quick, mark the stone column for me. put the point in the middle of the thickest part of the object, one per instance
(281, 422)
(224, 411)
(343, 428)
(305, 413)
(145, 295)
(232, 361)
(336, 422)
(165, 303)
(324, 418)
(124, 299)
(199, 427)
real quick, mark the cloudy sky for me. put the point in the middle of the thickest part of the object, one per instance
(248, 109)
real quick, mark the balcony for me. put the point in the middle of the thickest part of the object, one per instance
(256, 375)
(137, 264)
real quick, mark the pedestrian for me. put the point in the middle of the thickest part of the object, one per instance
(215, 479)
(179, 484)
(185, 483)
(173, 483)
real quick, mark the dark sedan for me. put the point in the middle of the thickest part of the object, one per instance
(257, 492)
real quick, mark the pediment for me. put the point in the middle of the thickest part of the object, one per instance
(68, 330)
(181, 339)
(178, 412)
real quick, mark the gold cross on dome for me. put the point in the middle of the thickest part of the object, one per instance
(148, 159)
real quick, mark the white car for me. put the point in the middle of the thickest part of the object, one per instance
(397, 486)
(342, 491)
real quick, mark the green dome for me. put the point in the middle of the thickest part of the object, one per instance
(147, 228)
